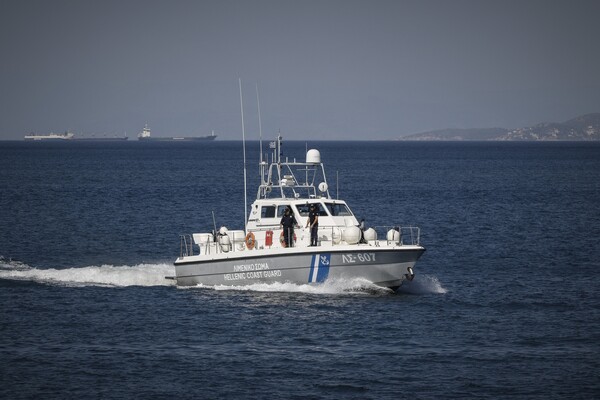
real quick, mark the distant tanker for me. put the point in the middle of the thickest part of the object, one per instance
(145, 135)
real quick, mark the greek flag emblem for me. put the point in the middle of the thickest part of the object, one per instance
(319, 268)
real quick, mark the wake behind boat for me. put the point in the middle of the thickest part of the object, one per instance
(342, 248)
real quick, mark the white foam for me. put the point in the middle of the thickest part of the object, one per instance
(154, 275)
(104, 275)
(337, 286)
(422, 284)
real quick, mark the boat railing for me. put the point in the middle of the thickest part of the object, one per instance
(333, 235)
(387, 235)
(406, 235)
(186, 245)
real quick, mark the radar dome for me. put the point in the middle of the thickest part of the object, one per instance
(313, 156)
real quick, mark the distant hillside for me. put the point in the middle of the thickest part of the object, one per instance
(459, 134)
(585, 127)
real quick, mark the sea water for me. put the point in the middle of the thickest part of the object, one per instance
(505, 303)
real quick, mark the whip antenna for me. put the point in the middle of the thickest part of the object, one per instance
(244, 150)
(260, 137)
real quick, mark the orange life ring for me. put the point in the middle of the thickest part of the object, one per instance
(250, 241)
(282, 239)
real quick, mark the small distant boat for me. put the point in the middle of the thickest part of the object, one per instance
(146, 135)
(52, 136)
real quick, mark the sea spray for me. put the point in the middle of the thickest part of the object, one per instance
(422, 284)
(331, 286)
(104, 275)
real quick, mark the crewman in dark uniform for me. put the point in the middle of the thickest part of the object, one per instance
(313, 222)
(288, 222)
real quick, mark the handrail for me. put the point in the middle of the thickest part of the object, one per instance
(412, 234)
(186, 245)
(408, 235)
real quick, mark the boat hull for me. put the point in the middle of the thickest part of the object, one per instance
(183, 139)
(387, 267)
(100, 139)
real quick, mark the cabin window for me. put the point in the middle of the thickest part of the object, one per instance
(303, 209)
(267, 212)
(281, 211)
(338, 210)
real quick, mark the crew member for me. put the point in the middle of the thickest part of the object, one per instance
(288, 222)
(313, 222)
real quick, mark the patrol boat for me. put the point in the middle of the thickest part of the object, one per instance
(258, 254)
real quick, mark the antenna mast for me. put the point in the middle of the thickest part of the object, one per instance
(244, 149)
(262, 165)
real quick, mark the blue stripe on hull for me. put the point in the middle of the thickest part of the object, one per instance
(319, 268)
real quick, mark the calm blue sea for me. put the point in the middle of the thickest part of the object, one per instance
(506, 302)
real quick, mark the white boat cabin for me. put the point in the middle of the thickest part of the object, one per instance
(266, 214)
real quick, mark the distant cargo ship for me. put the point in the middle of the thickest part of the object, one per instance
(52, 136)
(145, 135)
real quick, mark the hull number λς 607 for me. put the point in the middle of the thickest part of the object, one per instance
(358, 257)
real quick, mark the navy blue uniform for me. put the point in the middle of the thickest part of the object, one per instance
(288, 222)
(313, 221)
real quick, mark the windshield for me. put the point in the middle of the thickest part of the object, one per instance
(303, 209)
(338, 210)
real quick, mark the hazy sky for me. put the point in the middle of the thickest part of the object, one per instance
(325, 69)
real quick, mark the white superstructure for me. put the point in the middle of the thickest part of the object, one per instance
(145, 133)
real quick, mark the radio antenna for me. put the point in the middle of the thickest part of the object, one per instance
(260, 137)
(244, 150)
